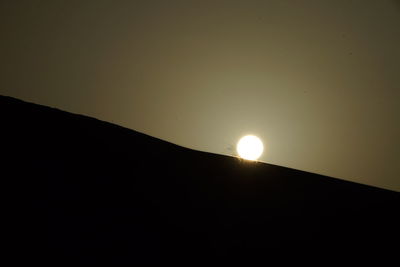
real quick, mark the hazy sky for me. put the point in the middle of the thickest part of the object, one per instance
(318, 81)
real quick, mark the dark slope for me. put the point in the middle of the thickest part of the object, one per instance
(90, 191)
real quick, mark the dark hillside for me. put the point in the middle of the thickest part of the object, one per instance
(93, 192)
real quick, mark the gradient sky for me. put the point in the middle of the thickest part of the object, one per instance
(318, 81)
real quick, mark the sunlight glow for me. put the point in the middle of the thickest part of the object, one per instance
(250, 147)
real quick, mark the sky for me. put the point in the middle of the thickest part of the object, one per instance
(318, 81)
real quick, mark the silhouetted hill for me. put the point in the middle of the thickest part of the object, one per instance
(88, 191)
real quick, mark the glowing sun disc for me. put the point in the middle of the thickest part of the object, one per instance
(250, 147)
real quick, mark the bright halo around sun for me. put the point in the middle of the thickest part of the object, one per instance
(250, 147)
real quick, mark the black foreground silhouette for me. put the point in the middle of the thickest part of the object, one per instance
(93, 192)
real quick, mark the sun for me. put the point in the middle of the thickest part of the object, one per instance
(250, 147)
